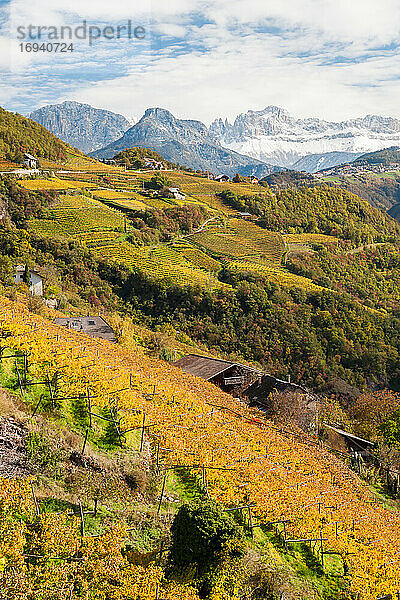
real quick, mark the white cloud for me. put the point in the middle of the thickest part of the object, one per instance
(246, 55)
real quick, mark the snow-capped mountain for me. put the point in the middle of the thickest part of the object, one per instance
(185, 142)
(273, 136)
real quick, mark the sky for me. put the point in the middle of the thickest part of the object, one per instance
(203, 59)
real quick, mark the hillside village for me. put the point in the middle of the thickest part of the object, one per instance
(199, 380)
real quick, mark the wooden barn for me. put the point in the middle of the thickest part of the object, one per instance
(355, 445)
(231, 377)
(93, 326)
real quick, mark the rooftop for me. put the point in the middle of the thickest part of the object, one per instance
(93, 326)
(207, 367)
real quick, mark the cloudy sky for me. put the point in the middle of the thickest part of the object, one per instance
(202, 59)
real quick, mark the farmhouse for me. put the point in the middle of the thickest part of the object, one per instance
(229, 376)
(93, 326)
(254, 179)
(222, 178)
(31, 278)
(31, 161)
(151, 163)
(242, 381)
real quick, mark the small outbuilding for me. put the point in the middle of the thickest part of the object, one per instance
(31, 277)
(92, 326)
(354, 444)
(173, 192)
(31, 161)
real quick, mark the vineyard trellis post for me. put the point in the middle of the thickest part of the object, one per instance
(162, 492)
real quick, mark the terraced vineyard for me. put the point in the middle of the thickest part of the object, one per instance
(73, 215)
(55, 184)
(162, 263)
(123, 200)
(309, 238)
(278, 276)
(240, 239)
(196, 256)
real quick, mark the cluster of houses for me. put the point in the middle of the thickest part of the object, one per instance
(154, 165)
(359, 169)
(222, 178)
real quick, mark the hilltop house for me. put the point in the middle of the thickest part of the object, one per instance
(151, 163)
(31, 277)
(92, 326)
(31, 161)
(254, 179)
(173, 192)
(222, 178)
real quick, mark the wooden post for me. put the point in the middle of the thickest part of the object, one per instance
(158, 455)
(19, 379)
(35, 499)
(251, 523)
(161, 552)
(142, 437)
(37, 406)
(95, 507)
(89, 399)
(162, 492)
(284, 535)
(82, 519)
(322, 549)
(84, 441)
(25, 369)
(205, 481)
(50, 389)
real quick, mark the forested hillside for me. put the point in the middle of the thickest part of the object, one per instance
(19, 134)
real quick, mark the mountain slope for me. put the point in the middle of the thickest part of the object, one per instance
(312, 163)
(19, 134)
(184, 142)
(385, 157)
(272, 135)
(192, 423)
(81, 125)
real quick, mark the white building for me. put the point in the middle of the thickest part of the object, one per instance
(175, 193)
(31, 161)
(34, 280)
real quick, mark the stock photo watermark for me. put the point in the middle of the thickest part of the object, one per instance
(50, 38)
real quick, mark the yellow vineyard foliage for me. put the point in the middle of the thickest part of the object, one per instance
(283, 475)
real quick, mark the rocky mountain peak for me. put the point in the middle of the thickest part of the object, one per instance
(81, 125)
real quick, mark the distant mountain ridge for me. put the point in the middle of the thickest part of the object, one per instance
(312, 163)
(269, 137)
(81, 125)
(272, 135)
(186, 142)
